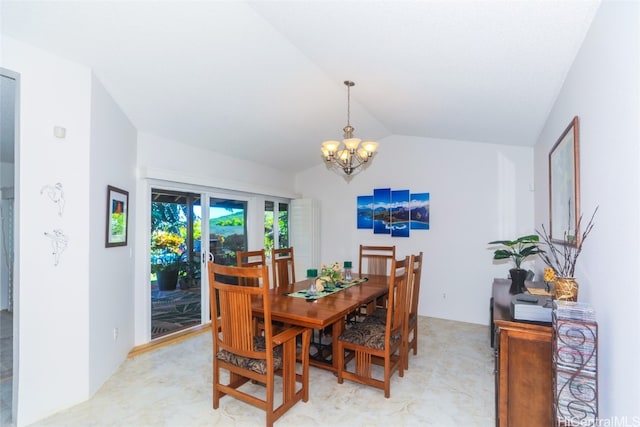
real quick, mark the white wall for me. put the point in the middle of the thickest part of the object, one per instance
(602, 88)
(478, 193)
(170, 160)
(113, 156)
(66, 313)
(52, 307)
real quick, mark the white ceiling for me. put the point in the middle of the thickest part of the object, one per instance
(263, 80)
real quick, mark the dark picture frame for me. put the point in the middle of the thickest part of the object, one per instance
(564, 187)
(117, 217)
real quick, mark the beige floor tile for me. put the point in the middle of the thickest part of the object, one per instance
(449, 383)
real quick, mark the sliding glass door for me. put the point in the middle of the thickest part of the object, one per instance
(183, 238)
(175, 280)
(185, 234)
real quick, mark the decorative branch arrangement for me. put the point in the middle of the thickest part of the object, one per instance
(563, 261)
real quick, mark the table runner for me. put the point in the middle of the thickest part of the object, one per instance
(304, 293)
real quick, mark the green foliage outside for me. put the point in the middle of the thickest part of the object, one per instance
(168, 236)
(167, 216)
(169, 222)
(233, 220)
(165, 251)
(283, 230)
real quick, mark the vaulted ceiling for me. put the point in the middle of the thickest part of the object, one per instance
(263, 80)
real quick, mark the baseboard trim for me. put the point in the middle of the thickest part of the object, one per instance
(169, 340)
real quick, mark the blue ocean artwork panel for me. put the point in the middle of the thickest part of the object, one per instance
(400, 213)
(381, 211)
(365, 212)
(419, 205)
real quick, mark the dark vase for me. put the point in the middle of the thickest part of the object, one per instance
(167, 279)
(518, 276)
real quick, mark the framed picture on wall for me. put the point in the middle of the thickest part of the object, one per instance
(117, 217)
(564, 187)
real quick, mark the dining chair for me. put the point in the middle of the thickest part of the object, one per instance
(410, 334)
(250, 259)
(248, 357)
(375, 260)
(410, 327)
(283, 267)
(372, 342)
(254, 259)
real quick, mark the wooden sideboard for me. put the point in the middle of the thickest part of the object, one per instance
(523, 371)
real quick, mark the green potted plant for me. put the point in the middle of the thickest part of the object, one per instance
(165, 258)
(517, 250)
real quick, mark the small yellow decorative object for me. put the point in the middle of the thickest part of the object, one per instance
(319, 284)
(566, 289)
(549, 274)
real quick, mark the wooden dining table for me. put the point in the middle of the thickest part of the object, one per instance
(330, 310)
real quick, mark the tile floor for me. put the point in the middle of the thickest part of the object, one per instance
(449, 383)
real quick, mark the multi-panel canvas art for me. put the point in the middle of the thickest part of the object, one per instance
(381, 211)
(365, 212)
(419, 204)
(393, 212)
(400, 220)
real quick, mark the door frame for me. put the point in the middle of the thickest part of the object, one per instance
(15, 293)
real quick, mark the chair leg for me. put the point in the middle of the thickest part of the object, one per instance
(340, 361)
(387, 376)
(404, 351)
(216, 393)
(414, 341)
(306, 337)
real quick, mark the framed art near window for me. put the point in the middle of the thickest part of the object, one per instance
(564, 187)
(117, 219)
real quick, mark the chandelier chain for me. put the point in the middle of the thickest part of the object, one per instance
(349, 103)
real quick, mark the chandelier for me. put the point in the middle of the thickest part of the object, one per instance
(351, 153)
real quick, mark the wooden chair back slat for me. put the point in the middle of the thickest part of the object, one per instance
(375, 260)
(283, 266)
(397, 309)
(410, 333)
(414, 295)
(250, 259)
